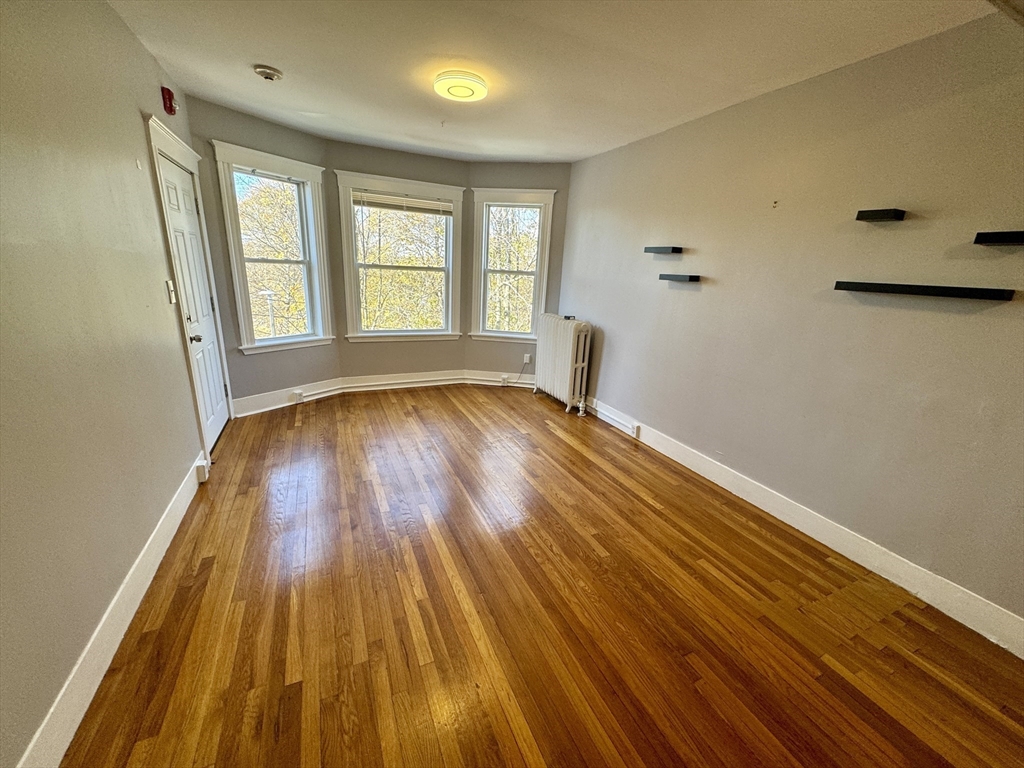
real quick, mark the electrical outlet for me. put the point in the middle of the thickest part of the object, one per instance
(504, 380)
(527, 358)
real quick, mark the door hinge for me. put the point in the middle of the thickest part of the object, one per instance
(212, 305)
(225, 390)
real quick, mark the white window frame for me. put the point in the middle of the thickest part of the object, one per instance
(420, 190)
(482, 198)
(318, 284)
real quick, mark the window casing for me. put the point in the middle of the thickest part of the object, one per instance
(401, 244)
(512, 240)
(274, 216)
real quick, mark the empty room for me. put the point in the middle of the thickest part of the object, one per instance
(511, 383)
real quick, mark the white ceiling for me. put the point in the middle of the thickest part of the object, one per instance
(567, 79)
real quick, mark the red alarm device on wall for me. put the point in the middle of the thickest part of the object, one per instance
(170, 105)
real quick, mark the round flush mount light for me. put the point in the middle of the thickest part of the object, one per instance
(267, 72)
(458, 85)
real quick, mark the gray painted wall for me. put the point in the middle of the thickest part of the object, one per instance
(254, 374)
(900, 418)
(95, 408)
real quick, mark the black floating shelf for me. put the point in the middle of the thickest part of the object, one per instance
(949, 291)
(882, 214)
(680, 278)
(999, 238)
(663, 249)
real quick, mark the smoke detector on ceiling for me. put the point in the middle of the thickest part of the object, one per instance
(267, 72)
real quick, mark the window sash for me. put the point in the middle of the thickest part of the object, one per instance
(307, 278)
(444, 328)
(358, 197)
(306, 262)
(302, 192)
(488, 270)
(309, 316)
(313, 266)
(487, 235)
(485, 200)
(430, 198)
(487, 303)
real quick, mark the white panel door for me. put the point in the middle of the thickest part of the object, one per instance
(194, 297)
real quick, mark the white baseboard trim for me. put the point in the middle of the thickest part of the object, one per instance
(54, 735)
(268, 401)
(997, 624)
(616, 418)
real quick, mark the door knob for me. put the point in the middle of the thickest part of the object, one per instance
(197, 337)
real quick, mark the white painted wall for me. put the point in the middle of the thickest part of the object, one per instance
(899, 418)
(98, 429)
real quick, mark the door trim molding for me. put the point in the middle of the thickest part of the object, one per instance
(54, 735)
(163, 141)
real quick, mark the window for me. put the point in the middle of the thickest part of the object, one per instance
(273, 211)
(402, 257)
(512, 236)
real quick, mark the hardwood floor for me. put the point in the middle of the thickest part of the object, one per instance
(468, 576)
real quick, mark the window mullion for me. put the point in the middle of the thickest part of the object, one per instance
(403, 267)
(532, 273)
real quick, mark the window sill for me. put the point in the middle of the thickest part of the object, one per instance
(283, 344)
(506, 337)
(403, 336)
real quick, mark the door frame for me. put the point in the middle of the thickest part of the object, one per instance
(163, 142)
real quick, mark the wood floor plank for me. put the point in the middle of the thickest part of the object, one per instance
(469, 577)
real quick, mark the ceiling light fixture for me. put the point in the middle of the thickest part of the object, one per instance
(267, 72)
(458, 85)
